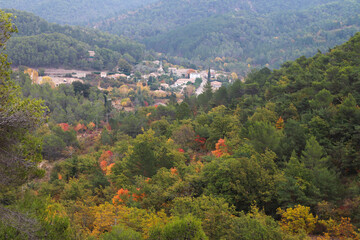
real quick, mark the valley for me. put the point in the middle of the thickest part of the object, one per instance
(188, 120)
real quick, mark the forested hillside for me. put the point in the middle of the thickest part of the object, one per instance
(272, 39)
(272, 157)
(164, 16)
(79, 12)
(245, 32)
(42, 44)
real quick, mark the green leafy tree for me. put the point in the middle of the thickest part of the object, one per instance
(105, 137)
(264, 135)
(215, 213)
(124, 66)
(141, 157)
(255, 225)
(241, 181)
(18, 116)
(180, 228)
(298, 185)
(322, 99)
(53, 147)
(182, 111)
(120, 232)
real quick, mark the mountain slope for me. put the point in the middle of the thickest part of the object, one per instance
(73, 12)
(255, 32)
(270, 39)
(43, 44)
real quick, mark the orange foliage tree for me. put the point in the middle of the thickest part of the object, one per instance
(221, 149)
(105, 162)
(280, 123)
(91, 126)
(80, 127)
(64, 126)
(174, 171)
(122, 196)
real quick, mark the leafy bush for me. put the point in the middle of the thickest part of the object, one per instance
(120, 232)
(180, 228)
(297, 219)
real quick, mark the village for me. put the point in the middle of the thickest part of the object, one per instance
(155, 80)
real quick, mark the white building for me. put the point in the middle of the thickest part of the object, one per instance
(80, 75)
(194, 75)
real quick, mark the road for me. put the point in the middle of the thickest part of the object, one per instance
(202, 85)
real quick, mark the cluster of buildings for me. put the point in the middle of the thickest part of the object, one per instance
(190, 75)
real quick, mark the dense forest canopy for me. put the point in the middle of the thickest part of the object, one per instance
(259, 41)
(42, 44)
(245, 32)
(79, 12)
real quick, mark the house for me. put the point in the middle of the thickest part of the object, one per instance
(103, 74)
(172, 70)
(117, 76)
(91, 55)
(216, 85)
(183, 81)
(189, 71)
(194, 75)
(80, 75)
(182, 73)
(159, 104)
(164, 85)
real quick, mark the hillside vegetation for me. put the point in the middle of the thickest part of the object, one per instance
(42, 44)
(273, 157)
(79, 12)
(244, 32)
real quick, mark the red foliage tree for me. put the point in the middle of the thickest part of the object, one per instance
(64, 126)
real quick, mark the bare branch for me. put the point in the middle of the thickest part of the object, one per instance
(21, 222)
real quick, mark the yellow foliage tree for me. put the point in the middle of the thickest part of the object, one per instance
(297, 219)
(95, 220)
(48, 80)
(105, 216)
(125, 102)
(34, 75)
(284, 81)
(339, 230)
(144, 90)
(124, 90)
(234, 76)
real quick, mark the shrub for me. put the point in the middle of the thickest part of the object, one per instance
(297, 219)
